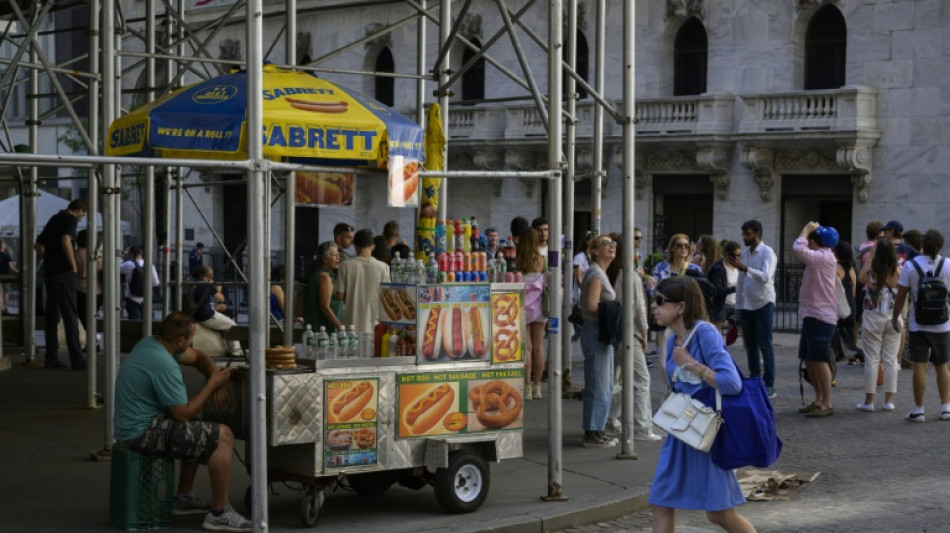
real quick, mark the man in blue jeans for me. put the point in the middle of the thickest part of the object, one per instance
(755, 301)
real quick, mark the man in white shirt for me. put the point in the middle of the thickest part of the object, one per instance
(134, 289)
(358, 283)
(929, 327)
(755, 301)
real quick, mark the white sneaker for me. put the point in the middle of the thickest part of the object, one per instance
(915, 416)
(865, 407)
(527, 392)
(230, 520)
(536, 391)
(945, 415)
(888, 406)
(649, 437)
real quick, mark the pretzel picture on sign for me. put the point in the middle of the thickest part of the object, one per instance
(496, 404)
(506, 346)
(504, 310)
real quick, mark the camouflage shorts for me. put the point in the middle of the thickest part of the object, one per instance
(188, 441)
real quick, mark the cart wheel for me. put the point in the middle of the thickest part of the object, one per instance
(463, 486)
(369, 484)
(248, 494)
(311, 507)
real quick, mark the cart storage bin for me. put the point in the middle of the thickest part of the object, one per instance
(141, 490)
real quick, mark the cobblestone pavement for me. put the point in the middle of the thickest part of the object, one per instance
(879, 472)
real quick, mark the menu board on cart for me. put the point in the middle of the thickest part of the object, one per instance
(508, 330)
(460, 402)
(350, 421)
(454, 322)
(397, 309)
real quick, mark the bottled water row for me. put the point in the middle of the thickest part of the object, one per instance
(337, 345)
(408, 270)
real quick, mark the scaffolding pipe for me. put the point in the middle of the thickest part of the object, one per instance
(600, 49)
(92, 224)
(290, 205)
(442, 71)
(523, 61)
(28, 229)
(149, 200)
(555, 402)
(630, 275)
(179, 171)
(257, 315)
(570, 151)
(110, 271)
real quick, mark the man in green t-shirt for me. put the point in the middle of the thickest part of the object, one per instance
(153, 414)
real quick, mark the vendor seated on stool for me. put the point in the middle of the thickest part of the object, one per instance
(207, 308)
(154, 415)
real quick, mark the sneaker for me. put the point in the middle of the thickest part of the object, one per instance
(914, 416)
(888, 406)
(771, 392)
(945, 415)
(865, 407)
(611, 441)
(230, 520)
(186, 504)
(649, 437)
(527, 392)
(536, 391)
(596, 439)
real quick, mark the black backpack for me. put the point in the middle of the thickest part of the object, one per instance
(930, 302)
(137, 283)
(706, 286)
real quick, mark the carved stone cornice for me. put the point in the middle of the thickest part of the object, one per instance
(583, 161)
(716, 160)
(520, 159)
(761, 161)
(383, 40)
(668, 161)
(686, 9)
(858, 161)
(487, 160)
(805, 160)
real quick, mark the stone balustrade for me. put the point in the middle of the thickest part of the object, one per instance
(845, 109)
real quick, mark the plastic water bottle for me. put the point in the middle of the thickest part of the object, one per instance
(308, 342)
(343, 340)
(440, 237)
(432, 270)
(420, 273)
(322, 340)
(333, 347)
(354, 342)
(396, 267)
(466, 236)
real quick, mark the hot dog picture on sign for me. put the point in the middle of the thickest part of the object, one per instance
(324, 189)
(350, 415)
(454, 323)
(429, 409)
(403, 182)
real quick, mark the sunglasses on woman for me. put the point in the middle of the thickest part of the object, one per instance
(612, 244)
(661, 299)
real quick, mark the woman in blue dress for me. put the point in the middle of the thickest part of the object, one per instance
(685, 477)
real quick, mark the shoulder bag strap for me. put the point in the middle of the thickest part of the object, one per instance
(716, 389)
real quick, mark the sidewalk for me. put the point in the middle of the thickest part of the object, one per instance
(50, 484)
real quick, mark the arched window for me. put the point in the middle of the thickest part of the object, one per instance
(473, 80)
(385, 87)
(689, 59)
(581, 66)
(825, 47)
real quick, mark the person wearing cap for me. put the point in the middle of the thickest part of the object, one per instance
(817, 307)
(343, 237)
(194, 258)
(894, 231)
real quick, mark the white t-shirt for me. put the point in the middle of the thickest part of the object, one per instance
(358, 279)
(732, 277)
(909, 278)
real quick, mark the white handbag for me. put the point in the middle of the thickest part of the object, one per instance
(841, 300)
(689, 419)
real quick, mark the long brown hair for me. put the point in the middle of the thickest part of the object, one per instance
(710, 251)
(672, 243)
(884, 262)
(527, 252)
(685, 289)
(613, 270)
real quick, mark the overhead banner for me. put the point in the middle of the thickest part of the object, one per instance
(403, 182)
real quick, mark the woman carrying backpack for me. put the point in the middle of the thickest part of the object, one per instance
(880, 341)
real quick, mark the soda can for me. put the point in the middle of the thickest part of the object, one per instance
(449, 277)
(482, 276)
(509, 277)
(517, 277)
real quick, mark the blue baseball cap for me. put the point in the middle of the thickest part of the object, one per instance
(827, 235)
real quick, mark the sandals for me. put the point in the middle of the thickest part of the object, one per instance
(820, 413)
(808, 408)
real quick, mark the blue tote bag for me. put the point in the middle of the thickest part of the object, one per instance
(748, 436)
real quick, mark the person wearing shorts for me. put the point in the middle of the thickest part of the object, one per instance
(154, 415)
(929, 343)
(816, 306)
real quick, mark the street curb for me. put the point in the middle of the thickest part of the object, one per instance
(627, 502)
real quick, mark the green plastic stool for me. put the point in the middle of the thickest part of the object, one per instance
(141, 490)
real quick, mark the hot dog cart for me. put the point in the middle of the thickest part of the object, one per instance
(435, 419)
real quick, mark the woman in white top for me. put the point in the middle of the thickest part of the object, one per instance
(879, 340)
